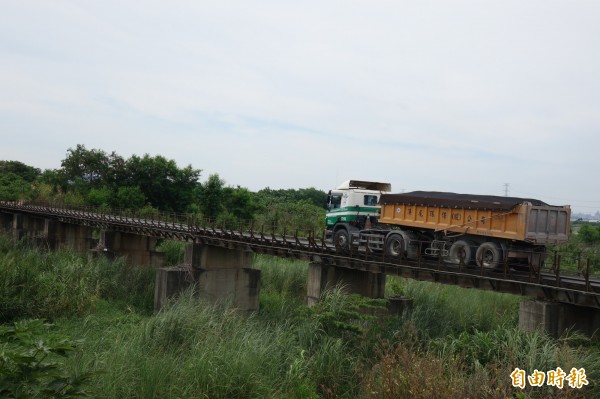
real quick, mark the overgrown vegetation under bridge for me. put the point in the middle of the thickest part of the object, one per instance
(455, 343)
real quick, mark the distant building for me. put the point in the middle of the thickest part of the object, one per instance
(585, 220)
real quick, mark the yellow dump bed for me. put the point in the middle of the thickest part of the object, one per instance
(510, 218)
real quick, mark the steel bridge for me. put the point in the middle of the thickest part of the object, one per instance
(575, 284)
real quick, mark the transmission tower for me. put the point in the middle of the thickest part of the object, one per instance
(506, 185)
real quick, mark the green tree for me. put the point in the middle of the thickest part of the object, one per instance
(56, 179)
(117, 171)
(13, 187)
(129, 197)
(239, 202)
(301, 216)
(16, 180)
(589, 234)
(163, 184)
(25, 172)
(309, 195)
(99, 196)
(312, 195)
(86, 168)
(212, 194)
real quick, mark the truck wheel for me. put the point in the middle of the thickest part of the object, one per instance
(341, 240)
(394, 246)
(460, 252)
(489, 255)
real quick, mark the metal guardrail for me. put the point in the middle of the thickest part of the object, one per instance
(577, 285)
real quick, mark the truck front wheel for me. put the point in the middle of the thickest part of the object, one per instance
(341, 240)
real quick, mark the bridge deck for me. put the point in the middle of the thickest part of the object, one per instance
(578, 288)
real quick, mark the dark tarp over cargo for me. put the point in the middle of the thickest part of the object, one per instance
(453, 200)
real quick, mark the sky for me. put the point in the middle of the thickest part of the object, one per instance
(437, 95)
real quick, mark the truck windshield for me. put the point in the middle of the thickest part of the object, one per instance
(336, 200)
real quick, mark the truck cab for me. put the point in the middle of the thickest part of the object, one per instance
(351, 207)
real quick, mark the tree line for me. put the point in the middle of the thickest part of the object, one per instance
(96, 178)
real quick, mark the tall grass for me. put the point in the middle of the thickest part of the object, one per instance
(454, 343)
(283, 285)
(63, 283)
(464, 343)
(478, 365)
(284, 276)
(440, 310)
(174, 251)
(192, 349)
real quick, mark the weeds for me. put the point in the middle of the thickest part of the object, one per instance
(63, 283)
(453, 343)
(174, 251)
(441, 310)
(476, 365)
(29, 366)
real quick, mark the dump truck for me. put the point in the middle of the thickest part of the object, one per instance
(483, 230)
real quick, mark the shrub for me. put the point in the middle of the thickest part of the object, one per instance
(29, 366)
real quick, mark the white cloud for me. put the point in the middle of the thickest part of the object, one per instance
(460, 96)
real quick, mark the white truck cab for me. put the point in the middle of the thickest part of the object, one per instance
(351, 206)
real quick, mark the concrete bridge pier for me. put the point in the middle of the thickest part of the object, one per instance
(138, 249)
(66, 235)
(18, 227)
(555, 318)
(44, 232)
(28, 226)
(322, 277)
(220, 274)
(6, 221)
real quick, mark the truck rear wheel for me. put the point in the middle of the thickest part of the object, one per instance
(461, 251)
(341, 240)
(394, 246)
(489, 255)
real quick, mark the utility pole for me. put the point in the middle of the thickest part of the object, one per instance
(506, 185)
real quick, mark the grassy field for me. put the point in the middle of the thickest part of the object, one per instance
(455, 343)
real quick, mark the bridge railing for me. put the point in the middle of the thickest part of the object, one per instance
(194, 221)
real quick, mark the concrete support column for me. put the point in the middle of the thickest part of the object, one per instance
(322, 277)
(50, 234)
(73, 236)
(139, 249)
(27, 226)
(36, 226)
(398, 305)
(221, 275)
(224, 275)
(17, 227)
(46, 233)
(36, 230)
(206, 257)
(169, 282)
(555, 318)
(6, 221)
